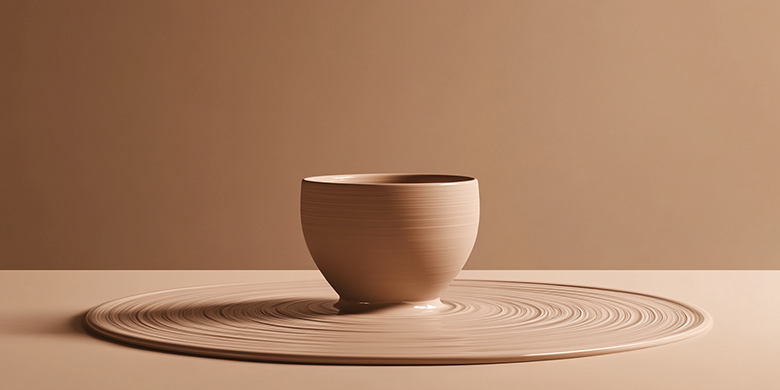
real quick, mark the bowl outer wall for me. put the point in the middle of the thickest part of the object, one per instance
(390, 242)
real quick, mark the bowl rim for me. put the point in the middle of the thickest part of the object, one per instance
(391, 179)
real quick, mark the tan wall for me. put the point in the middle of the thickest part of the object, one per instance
(174, 134)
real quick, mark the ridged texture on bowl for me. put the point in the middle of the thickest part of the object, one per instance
(390, 242)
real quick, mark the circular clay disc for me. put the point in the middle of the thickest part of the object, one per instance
(483, 321)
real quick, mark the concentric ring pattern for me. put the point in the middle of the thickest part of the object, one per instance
(483, 322)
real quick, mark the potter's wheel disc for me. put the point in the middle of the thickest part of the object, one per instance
(484, 322)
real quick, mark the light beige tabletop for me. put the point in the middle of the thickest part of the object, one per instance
(42, 345)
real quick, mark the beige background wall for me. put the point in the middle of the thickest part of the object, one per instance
(174, 134)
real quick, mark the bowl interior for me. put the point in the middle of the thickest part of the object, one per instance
(389, 178)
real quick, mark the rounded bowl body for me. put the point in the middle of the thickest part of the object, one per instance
(381, 238)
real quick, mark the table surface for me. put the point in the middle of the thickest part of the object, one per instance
(43, 346)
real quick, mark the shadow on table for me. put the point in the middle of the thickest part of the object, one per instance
(41, 324)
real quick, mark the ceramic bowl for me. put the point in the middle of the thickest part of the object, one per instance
(385, 240)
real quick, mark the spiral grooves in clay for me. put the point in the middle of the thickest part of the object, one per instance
(483, 322)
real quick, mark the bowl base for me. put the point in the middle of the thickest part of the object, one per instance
(392, 308)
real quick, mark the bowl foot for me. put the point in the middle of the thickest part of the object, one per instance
(402, 308)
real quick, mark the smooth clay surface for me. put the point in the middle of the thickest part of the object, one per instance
(483, 321)
(389, 238)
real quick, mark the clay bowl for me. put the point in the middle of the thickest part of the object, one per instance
(389, 241)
